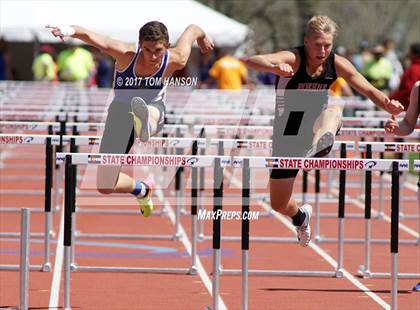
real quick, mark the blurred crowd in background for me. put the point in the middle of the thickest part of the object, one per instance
(388, 69)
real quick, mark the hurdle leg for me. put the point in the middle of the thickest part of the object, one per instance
(73, 241)
(47, 203)
(304, 187)
(24, 258)
(317, 206)
(394, 235)
(47, 241)
(194, 193)
(67, 242)
(365, 269)
(178, 194)
(201, 204)
(218, 194)
(246, 180)
(341, 211)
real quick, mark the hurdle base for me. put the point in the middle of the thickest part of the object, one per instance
(17, 235)
(322, 239)
(366, 274)
(318, 238)
(193, 271)
(186, 271)
(387, 275)
(17, 267)
(284, 273)
(255, 239)
(117, 212)
(46, 267)
(80, 235)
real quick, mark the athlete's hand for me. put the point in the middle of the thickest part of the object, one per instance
(61, 31)
(390, 125)
(205, 44)
(393, 107)
(283, 69)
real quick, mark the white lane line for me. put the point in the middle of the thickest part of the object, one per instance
(58, 265)
(187, 244)
(322, 253)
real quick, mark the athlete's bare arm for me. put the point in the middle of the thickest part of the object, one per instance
(182, 50)
(346, 70)
(408, 123)
(282, 63)
(114, 48)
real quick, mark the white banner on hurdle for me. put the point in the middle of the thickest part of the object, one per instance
(237, 162)
(142, 160)
(28, 139)
(35, 126)
(321, 163)
(396, 147)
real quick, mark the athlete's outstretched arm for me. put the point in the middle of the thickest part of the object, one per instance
(407, 124)
(113, 48)
(346, 70)
(280, 63)
(182, 50)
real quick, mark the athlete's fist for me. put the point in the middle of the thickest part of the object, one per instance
(282, 69)
(205, 44)
(61, 31)
(390, 125)
(393, 107)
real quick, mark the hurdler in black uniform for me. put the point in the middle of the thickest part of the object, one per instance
(300, 99)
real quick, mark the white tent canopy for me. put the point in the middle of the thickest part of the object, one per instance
(23, 20)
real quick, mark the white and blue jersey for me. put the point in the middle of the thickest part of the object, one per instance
(128, 85)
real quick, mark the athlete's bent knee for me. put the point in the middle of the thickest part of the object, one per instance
(105, 191)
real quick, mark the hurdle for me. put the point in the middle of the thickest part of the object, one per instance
(70, 160)
(266, 130)
(376, 147)
(247, 163)
(78, 141)
(393, 147)
(365, 270)
(48, 141)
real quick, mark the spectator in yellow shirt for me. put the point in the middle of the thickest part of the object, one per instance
(229, 72)
(43, 66)
(75, 64)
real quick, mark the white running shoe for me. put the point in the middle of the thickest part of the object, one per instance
(323, 146)
(304, 231)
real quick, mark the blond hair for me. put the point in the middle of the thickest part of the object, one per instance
(321, 24)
